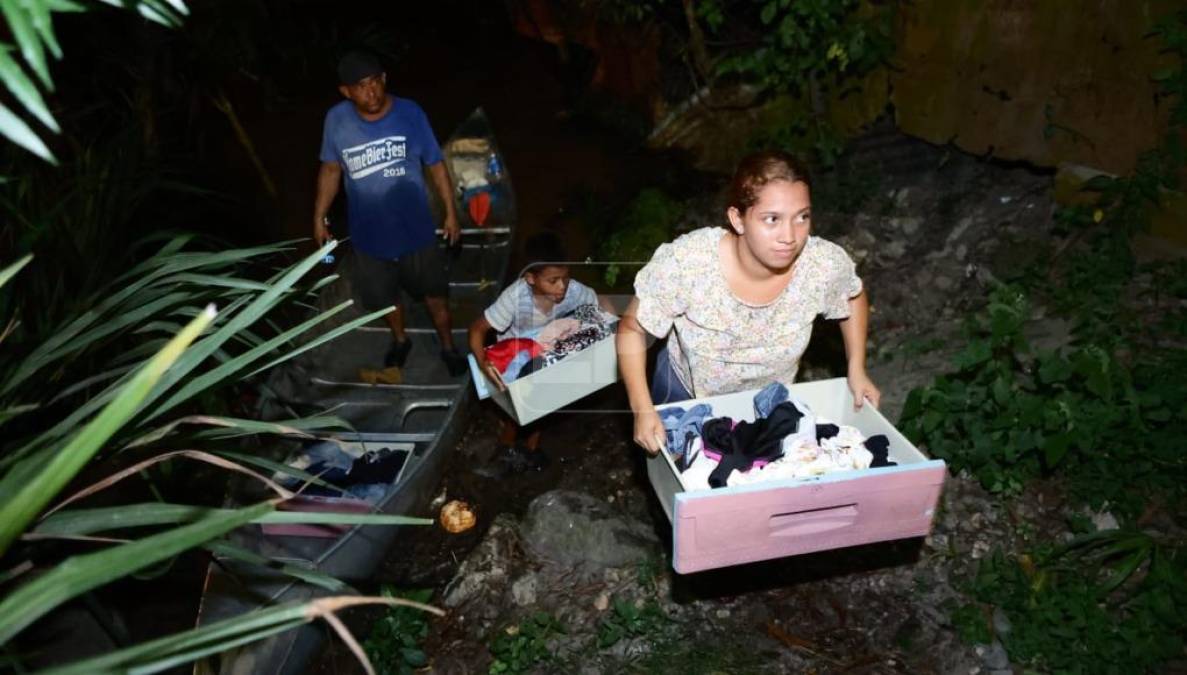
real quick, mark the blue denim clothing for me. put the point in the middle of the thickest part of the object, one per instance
(770, 396)
(665, 386)
(681, 426)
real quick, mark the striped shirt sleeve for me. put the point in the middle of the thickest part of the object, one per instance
(501, 314)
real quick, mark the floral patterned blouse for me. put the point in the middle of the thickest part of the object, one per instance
(722, 344)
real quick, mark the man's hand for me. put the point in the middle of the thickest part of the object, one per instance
(451, 231)
(329, 177)
(321, 233)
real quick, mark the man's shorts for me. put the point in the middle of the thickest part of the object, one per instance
(420, 274)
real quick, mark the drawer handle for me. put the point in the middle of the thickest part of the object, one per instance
(810, 521)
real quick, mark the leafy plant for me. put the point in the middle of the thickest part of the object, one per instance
(807, 51)
(629, 620)
(648, 572)
(803, 43)
(520, 647)
(648, 221)
(1104, 416)
(395, 640)
(84, 218)
(1172, 32)
(1106, 413)
(1106, 602)
(1009, 415)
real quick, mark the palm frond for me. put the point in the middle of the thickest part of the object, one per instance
(30, 23)
(174, 650)
(29, 498)
(82, 522)
(82, 573)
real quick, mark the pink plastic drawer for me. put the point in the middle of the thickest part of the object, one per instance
(734, 525)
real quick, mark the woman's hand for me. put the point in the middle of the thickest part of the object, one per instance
(649, 431)
(863, 388)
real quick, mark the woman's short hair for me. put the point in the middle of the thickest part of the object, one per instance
(759, 168)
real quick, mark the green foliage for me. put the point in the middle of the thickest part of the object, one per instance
(648, 221)
(807, 51)
(176, 650)
(1108, 602)
(519, 648)
(648, 572)
(394, 645)
(1105, 418)
(1172, 31)
(796, 128)
(157, 350)
(629, 620)
(805, 41)
(81, 217)
(30, 23)
(1105, 414)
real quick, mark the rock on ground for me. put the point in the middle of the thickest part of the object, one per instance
(570, 528)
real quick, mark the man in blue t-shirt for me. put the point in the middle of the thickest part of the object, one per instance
(381, 147)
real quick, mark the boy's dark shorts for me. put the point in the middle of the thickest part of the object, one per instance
(420, 274)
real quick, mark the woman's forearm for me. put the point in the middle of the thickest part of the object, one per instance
(631, 343)
(853, 332)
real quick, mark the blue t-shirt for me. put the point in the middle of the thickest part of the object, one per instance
(387, 203)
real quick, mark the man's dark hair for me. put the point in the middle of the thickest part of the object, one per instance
(357, 65)
(542, 249)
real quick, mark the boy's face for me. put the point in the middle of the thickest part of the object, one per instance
(550, 281)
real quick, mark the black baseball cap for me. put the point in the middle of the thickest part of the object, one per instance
(357, 65)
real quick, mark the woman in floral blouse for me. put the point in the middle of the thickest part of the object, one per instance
(737, 303)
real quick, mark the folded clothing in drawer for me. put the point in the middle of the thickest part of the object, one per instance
(546, 369)
(531, 350)
(818, 489)
(784, 440)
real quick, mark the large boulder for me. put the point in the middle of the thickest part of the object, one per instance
(570, 528)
